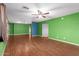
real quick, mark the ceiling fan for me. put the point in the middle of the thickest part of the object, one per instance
(39, 13)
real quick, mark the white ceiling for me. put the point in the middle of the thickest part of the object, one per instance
(17, 14)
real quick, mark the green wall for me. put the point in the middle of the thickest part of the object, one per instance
(18, 29)
(11, 28)
(40, 28)
(66, 29)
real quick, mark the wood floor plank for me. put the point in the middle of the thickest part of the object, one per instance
(21, 46)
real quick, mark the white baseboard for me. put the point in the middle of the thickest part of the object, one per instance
(64, 41)
(19, 34)
(35, 35)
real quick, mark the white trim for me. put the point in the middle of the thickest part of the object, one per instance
(64, 41)
(20, 34)
(61, 41)
(42, 36)
(35, 35)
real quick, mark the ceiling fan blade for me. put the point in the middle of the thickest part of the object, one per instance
(44, 16)
(46, 13)
(25, 7)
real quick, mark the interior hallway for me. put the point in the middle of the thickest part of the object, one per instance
(38, 46)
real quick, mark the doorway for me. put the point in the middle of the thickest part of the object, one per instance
(45, 30)
(34, 29)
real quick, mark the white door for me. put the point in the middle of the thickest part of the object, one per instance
(44, 30)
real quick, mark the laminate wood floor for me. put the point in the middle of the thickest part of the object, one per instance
(38, 46)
